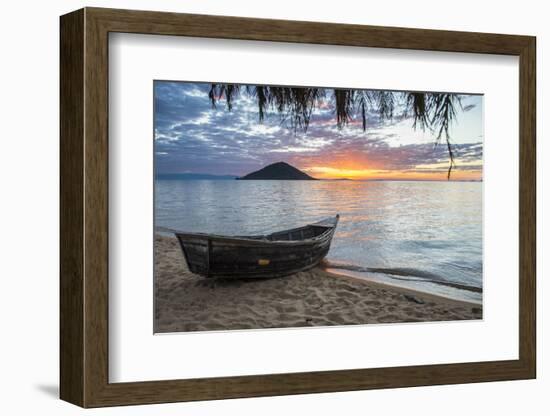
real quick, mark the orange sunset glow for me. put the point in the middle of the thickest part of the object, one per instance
(324, 172)
(359, 166)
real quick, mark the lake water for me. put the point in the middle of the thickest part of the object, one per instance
(423, 235)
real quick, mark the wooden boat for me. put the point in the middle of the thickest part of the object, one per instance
(262, 256)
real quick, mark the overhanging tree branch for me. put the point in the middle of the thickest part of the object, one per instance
(295, 106)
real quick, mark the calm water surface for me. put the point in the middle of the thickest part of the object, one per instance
(424, 235)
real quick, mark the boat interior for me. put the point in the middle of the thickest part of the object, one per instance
(297, 234)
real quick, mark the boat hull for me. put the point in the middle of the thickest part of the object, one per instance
(254, 257)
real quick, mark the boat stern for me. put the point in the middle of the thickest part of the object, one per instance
(196, 250)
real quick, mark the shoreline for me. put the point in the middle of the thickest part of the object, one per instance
(401, 289)
(188, 302)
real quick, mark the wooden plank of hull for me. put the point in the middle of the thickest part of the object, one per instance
(255, 257)
(245, 261)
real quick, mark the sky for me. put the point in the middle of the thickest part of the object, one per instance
(193, 137)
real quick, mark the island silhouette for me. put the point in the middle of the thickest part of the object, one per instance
(278, 171)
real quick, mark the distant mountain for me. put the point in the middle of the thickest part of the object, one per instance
(278, 171)
(193, 176)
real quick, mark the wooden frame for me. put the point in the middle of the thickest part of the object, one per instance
(84, 207)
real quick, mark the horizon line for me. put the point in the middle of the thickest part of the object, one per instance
(213, 176)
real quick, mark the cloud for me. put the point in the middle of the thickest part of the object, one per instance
(192, 136)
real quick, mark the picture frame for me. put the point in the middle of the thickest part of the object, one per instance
(84, 216)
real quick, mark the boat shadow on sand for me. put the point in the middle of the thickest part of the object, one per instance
(228, 282)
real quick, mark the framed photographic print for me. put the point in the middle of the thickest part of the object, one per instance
(259, 207)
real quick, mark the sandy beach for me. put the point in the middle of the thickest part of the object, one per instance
(188, 302)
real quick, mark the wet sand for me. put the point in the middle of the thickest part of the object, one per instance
(188, 302)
